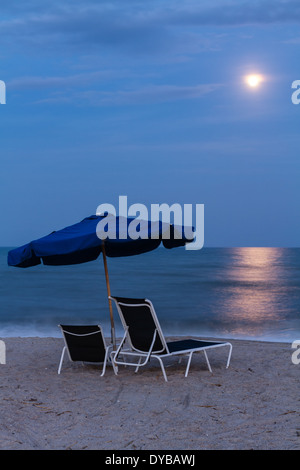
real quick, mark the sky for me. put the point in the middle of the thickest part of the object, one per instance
(148, 99)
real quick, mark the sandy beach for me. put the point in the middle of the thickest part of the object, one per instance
(252, 405)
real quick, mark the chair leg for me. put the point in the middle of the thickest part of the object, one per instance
(162, 367)
(138, 366)
(229, 355)
(112, 357)
(207, 361)
(188, 364)
(61, 359)
(105, 362)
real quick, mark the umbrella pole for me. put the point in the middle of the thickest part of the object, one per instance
(113, 337)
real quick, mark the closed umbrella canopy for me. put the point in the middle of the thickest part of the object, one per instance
(84, 241)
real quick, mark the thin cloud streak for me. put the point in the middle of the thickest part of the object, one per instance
(37, 82)
(147, 95)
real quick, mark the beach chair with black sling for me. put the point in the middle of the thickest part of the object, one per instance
(143, 338)
(84, 343)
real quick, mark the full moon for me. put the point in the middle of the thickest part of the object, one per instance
(253, 80)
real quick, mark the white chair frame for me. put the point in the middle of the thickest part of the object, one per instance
(66, 348)
(159, 355)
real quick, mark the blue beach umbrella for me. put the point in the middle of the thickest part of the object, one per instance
(85, 241)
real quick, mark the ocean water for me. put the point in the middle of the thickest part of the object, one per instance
(243, 293)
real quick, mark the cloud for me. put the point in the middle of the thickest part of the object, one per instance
(155, 94)
(237, 13)
(83, 27)
(77, 80)
(132, 26)
(295, 40)
(147, 95)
